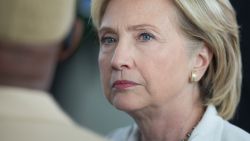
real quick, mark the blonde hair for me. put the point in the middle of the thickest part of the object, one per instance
(214, 23)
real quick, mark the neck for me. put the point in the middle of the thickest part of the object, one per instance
(171, 122)
(27, 66)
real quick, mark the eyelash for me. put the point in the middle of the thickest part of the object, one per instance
(145, 34)
(107, 40)
(143, 37)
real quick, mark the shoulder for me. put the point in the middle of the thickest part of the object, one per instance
(128, 133)
(85, 134)
(212, 127)
(41, 131)
(81, 133)
(231, 132)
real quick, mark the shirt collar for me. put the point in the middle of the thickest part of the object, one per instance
(210, 126)
(208, 129)
(31, 105)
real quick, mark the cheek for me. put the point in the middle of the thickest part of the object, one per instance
(105, 71)
(165, 75)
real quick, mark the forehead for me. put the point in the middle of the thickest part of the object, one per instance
(136, 12)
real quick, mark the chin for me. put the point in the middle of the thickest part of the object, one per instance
(127, 102)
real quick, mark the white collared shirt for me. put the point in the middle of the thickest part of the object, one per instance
(211, 128)
(30, 115)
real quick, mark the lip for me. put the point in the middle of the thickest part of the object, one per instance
(123, 84)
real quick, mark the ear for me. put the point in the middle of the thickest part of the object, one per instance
(202, 60)
(71, 43)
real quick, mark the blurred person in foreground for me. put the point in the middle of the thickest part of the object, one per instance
(31, 39)
(172, 65)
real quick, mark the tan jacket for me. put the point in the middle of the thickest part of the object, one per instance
(29, 115)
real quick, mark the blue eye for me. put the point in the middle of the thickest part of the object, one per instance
(146, 37)
(108, 40)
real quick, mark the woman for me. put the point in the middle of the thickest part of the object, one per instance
(172, 65)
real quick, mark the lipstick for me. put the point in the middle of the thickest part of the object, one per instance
(123, 84)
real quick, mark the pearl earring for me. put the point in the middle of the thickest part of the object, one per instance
(193, 77)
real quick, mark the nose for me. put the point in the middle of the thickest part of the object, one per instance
(122, 56)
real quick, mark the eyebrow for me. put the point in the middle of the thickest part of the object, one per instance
(142, 26)
(130, 28)
(105, 29)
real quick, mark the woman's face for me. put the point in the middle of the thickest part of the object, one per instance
(143, 58)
